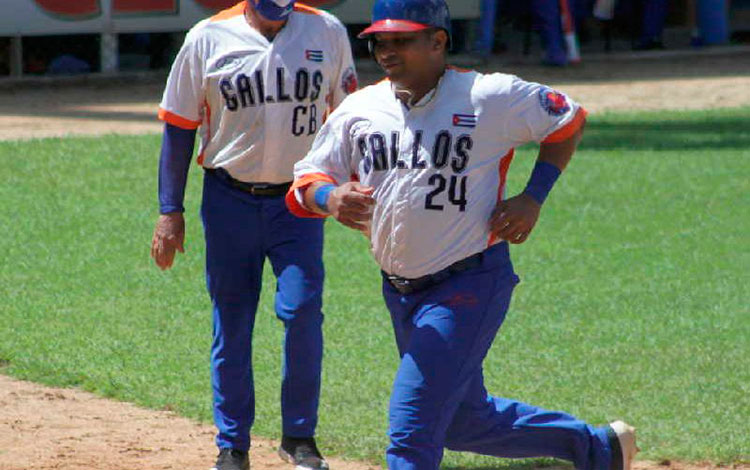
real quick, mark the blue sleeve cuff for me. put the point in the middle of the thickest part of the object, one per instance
(174, 162)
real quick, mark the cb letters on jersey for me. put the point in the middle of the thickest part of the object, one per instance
(242, 91)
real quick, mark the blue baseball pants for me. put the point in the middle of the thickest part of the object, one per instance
(439, 400)
(241, 230)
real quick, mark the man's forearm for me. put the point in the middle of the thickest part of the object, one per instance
(553, 159)
(560, 153)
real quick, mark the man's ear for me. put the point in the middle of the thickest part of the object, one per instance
(440, 40)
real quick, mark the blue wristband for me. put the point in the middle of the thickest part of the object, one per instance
(322, 194)
(542, 179)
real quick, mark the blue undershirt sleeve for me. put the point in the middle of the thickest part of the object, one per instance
(174, 162)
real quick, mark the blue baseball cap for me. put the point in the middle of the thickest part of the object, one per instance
(401, 16)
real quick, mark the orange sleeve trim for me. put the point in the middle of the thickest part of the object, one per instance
(302, 8)
(229, 13)
(503, 168)
(291, 198)
(178, 121)
(458, 69)
(569, 129)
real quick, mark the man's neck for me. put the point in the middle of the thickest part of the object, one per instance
(268, 29)
(412, 94)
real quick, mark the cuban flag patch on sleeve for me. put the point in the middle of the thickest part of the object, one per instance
(314, 55)
(465, 120)
(349, 81)
(555, 103)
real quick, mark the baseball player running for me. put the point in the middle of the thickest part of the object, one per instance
(257, 81)
(419, 161)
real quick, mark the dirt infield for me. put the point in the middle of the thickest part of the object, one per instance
(46, 428)
(92, 110)
(103, 105)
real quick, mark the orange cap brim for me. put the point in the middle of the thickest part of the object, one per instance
(392, 26)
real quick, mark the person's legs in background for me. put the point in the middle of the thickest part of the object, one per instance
(486, 33)
(652, 26)
(547, 19)
(582, 10)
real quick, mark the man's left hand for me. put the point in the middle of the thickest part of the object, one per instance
(515, 218)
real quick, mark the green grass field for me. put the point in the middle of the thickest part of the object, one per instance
(633, 302)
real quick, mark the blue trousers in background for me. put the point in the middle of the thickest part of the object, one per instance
(654, 16)
(486, 36)
(439, 400)
(241, 230)
(546, 14)
(548, 19)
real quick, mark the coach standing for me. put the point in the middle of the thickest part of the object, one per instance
(257, 80)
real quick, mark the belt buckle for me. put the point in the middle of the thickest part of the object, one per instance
(258, 189)
(400, 284)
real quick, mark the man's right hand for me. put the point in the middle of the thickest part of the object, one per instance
(169, 236)
(352, 205)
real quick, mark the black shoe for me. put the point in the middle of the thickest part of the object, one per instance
(302, 452)
(231, 459)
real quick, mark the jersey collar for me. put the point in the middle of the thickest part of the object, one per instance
(426, 99)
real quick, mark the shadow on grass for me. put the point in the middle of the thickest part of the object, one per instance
(694, 131)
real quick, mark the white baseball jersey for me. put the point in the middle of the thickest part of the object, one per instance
(258, 104)
(438, 167)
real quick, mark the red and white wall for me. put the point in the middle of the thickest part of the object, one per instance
(48, 17)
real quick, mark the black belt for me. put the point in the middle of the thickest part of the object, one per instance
(408, 286)
(256, 189)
